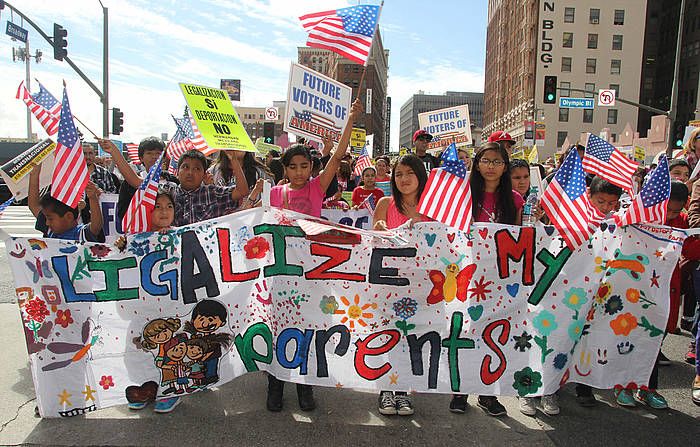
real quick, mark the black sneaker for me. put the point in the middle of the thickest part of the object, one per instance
(459, 403)
(663, 360)
(492, 406)
(387, 405)
(305, 393)
(275, 392)
(403, 405)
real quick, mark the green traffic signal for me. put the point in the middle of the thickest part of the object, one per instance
(679, 143)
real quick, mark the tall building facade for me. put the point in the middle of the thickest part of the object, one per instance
(420, 103)
(662, 21)
(349, 73)
(587, 44)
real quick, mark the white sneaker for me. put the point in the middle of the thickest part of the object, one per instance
(550, 405)
(528, 406)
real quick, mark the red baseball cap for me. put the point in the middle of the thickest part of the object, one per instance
(421, 133)
(500, 135)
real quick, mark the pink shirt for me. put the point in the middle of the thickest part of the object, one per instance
(307, 200)
(487, 210)
(394, 217)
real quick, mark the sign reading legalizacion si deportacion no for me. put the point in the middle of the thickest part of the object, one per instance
(316, 105)
(218, 122)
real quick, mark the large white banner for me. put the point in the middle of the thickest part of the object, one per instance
(501, 310)
(316, 104)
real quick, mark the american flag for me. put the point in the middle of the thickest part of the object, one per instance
(650, 204)
(363, 162)
(43, 105)
(603, 159)
(447, 197)
(346, 31)
(369, 204)
(189, 138)
(132, 149)
(316, 119)
(4, 205)
(70, 174)
(566, 203)
(138, 216)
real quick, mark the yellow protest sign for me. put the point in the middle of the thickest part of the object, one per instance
(217, 120)
(264, 148)
(403, 151)
(534, 155)
(639, 154)
(358, 137)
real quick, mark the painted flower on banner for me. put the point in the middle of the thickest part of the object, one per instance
(100, 251)
(328, 305)
(36, 309)
(575, 298)
(106, 382)
(614, 305)
(576, 330)
(560, 360)
(632, 295)
(405, 308)
(256, 248)
(603, 292)
(522, 342)
(64, 318)
(527, 381)
(545, 323)
(624, 324)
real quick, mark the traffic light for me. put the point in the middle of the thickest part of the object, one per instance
(117, 121)
(60, 44)
(269, 132)
(550, 89)
(680, 133)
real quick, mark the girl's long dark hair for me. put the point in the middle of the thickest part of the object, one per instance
(505, 211)
(415, 163)
(250, 166)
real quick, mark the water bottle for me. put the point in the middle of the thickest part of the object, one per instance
(528, 218)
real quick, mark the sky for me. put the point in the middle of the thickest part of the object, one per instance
(434, 47)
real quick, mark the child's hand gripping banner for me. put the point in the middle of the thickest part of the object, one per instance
(502, 310)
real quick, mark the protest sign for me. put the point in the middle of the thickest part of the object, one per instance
(502, 310)
(640, 155)
(263, 148)
(352, 218)
(316, 104)
(447, 126)
(16, 171)
(216, 119)
(358, 138)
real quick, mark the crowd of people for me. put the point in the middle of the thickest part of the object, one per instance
(307, 180)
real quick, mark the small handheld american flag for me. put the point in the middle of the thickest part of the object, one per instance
(650, 204)
(447, 197)
(363, 162)
(369, 204)
(566, 203)
(347, 31)
(70, 173)
(604, 160)
(43, 105)
(138, 216)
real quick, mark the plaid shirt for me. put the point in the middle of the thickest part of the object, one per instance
(104, 180)
(205, 202)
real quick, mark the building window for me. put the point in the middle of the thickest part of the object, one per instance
(564, 89)
(615, 87)
(612, 116)
(617, 42)
(590, 65)
(592, 41)
(569, 15)
(615, 65)
(564, 115)
(619, 17)
(587, 115)
(589, 87)
(561, 137)
(568, 41)
(566, 64)
(594, 17)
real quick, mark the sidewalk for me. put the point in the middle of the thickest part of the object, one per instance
(235, 415)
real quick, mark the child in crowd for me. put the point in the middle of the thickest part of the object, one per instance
(520, 176)
(463, 154)
(344, 176)
(408, 179)
(679, 169)
(493, 200)
(367, 189)
(253, 169)
(383, 179)
(57, 220)
(305, 195)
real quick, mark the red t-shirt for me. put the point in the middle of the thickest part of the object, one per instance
(487, 210)
(359, 194)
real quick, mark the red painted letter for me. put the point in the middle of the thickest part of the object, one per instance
(488, 376)
(363, 350)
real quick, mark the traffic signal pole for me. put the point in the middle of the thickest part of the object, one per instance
(103, 96)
